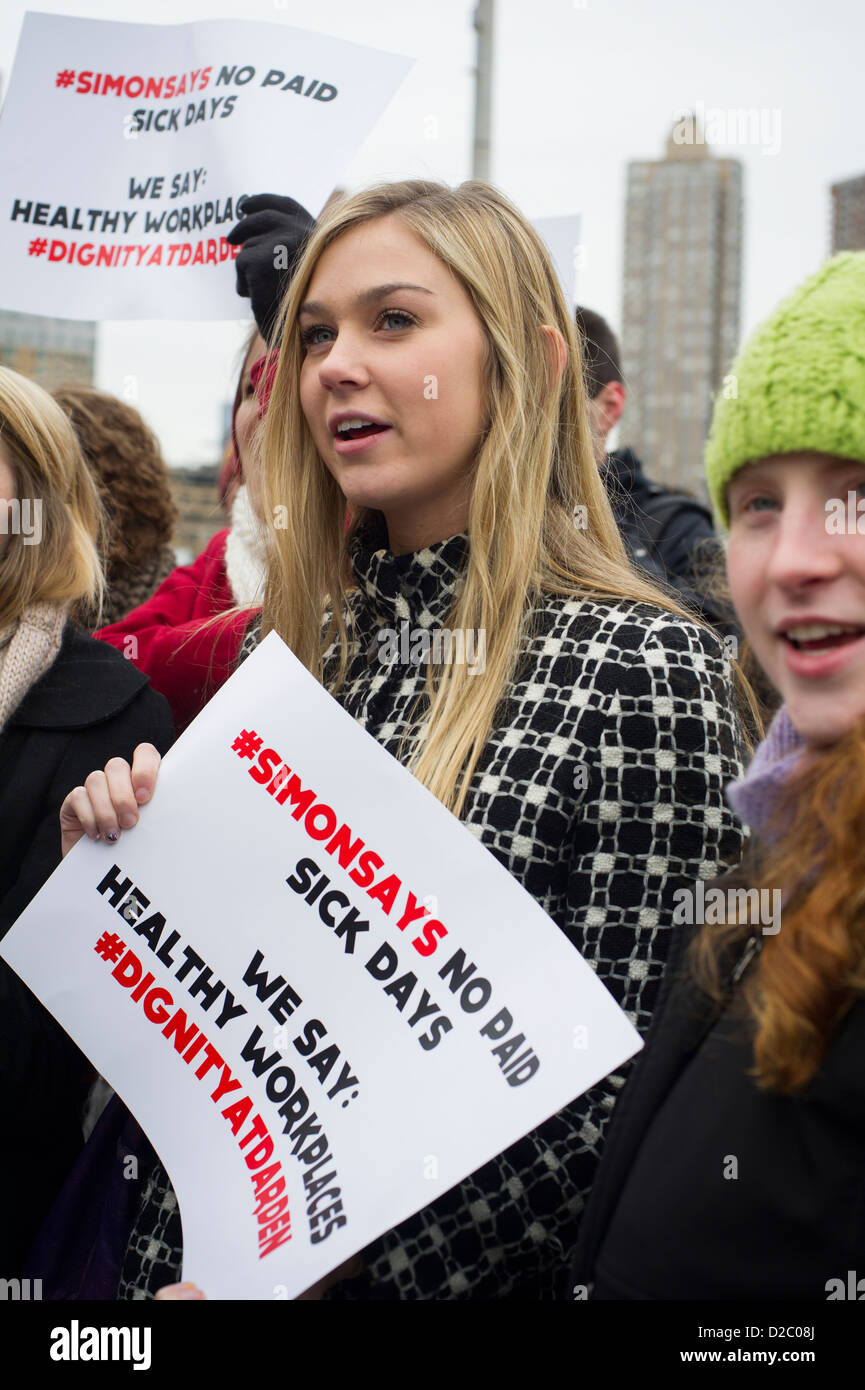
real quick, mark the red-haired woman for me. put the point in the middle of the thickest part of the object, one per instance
(735, 1166)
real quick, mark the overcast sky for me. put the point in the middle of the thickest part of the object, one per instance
(581, 87)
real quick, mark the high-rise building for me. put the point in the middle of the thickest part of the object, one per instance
(682, 283)
(54, 352)
(848, 215)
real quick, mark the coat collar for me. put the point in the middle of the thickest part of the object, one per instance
(87, 683)
(419, 588)
(624, 469)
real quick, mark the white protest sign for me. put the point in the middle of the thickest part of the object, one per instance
(561, 236)
(324, 1001)
(125, 148)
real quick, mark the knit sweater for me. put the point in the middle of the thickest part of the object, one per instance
(601, 790)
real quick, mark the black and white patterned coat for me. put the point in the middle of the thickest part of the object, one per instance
(601, 791)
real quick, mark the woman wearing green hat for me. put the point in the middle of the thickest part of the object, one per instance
(735, 1163)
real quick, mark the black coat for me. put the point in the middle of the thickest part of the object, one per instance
(670, 536)
(91, 705)
(712, 1189)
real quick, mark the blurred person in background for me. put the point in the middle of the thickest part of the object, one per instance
(134, 488)
(669, 535)
(173, 637)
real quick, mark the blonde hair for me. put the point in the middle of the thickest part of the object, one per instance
(535, 466)
(38, 443)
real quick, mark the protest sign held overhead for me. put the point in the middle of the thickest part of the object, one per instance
(322, 998)
(164, 129)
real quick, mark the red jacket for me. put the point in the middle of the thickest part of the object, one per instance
(165, 637)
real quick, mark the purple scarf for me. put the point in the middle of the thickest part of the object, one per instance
(753, 796)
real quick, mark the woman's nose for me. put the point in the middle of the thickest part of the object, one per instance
(344, 364)
(804, 551)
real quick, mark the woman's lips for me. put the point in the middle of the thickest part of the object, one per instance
(355, 446)
(823, 657)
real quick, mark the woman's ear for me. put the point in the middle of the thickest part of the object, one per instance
(556, 347)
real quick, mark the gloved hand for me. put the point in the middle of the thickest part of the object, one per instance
(271, 232)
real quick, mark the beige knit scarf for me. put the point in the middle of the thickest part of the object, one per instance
(27, 649)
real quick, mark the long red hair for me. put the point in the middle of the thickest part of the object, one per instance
(808, 974)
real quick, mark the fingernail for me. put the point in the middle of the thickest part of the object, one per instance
(127, 820)
(142, 795)
(111, 836)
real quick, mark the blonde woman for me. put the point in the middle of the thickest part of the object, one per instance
(429, 378)
(67, 704)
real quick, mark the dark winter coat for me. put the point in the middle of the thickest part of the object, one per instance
(712, 1189)
(669, 535)
(89, 706)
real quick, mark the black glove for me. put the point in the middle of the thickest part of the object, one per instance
(272, 232)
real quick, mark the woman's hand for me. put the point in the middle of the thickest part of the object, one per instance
(109, 801)
(181, 1291)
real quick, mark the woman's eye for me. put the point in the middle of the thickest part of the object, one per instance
(395, 318)
(749, 508)
(309, 336)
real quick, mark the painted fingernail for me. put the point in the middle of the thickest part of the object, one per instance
(111, 836)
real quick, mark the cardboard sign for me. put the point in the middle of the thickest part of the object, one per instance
(125, 149)
(324, 1001)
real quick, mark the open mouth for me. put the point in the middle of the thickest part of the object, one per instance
(819, 637)
(358, 429)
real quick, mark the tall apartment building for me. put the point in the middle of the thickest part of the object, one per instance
(54, 352)
(848, 215)
(682, 284)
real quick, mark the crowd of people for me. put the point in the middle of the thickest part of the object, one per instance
(613, 613)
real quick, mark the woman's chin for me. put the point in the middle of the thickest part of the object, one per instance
(822, 720)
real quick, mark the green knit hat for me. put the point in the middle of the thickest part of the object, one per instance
(799, 380)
